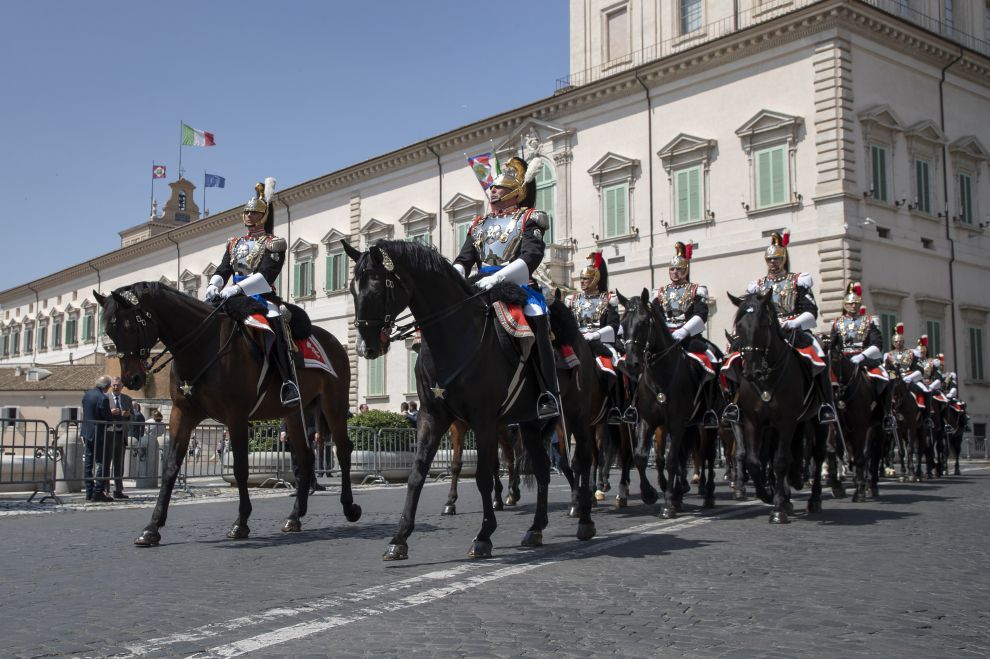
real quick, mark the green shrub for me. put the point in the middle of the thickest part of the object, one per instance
(379, 419)
(263, 435)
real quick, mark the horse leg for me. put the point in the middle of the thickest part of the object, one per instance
(239, 445)
(819, 437)
(336, 417)
(430, 427)
(533, 438)
(838, 490)
(303, 454)
(181, 425)
(599, 461)
(644, 435)
(739, 459)
(581, 497)
(497, 502)
(709, 452)
(487, 442)
(510, 455)
(458, 429)
(672, 491)
(625, 465)
(782, 458)
(660, 443)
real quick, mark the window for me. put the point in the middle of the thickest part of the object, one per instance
(87, 328)
(421, 238)
(976, 353)
(933, 328)
(690, 16)
(15, 342)
(771, 177)
(182, 201)
(878, 168)
(28, 340)
(923, 186)
(43, 337)
(460, 234)
(10, 414)
(904, 8)
(57, 333)
(71, 331)
(6, 345)
(687, 195)
(336, 272)
(278, 285)
(966, 198)
(949, 17)
(546, 198)
(70, 414)
(302, 279)
(617, 34)
(376, 377)
(411, 357)
(615, 199)
(888, 322)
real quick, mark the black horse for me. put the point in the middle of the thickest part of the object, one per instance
(468, 369)
(669, 397)
(956, 423)
(861, 417)
(218, 372)
(775, 398)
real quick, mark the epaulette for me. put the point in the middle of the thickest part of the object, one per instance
(276, 244)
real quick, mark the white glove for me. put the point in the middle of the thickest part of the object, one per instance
(805, 320)
(872, 352)
(937, 385)
(485, 283)
(679, 334)
(230, 292)
(855, 359)
(694, 325)
(460, 269)
(213, 290)
(592, 336)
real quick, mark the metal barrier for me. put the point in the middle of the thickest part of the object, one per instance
(27, 457)
(975, 448)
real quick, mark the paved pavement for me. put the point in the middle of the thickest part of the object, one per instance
(905, 575)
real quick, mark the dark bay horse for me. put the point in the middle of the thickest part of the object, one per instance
(218, 372)
(458, 434)
(956, 423)
(669, 398)
(468, 369)
(861, 416)
(776, 403)
(907, 434)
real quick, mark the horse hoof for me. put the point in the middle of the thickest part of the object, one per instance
(599, 495)
(814, 506)
(292, 526)
(678, 505)
(838, 493)
(238, 532)
(533, 539)
(607, 487)
(668, 512)
(511, 500)
(396, 553)
(779, 517)
(874, 492)
(709, 502)
(621, 502)
(353, 513)
(695, 479)
(573, 512)
(148, 539)
(649, 496)
(450, 509)
(498, 505)
(480, 549)
(789, 507)
(901, 479)
(586, 531)
(957, 472)
(857, 498)
(739, 495)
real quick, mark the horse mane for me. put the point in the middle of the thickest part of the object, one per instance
(563, 324)
(421, 258)
(148, 289)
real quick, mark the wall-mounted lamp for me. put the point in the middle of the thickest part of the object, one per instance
(664, 223)
(710, 214)
(940, 215)
(984, 225)
(868, 193)
(744, 205)
(595, 236)
(900, 202)
(799, 197)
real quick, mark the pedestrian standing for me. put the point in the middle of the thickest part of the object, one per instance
(96, 416)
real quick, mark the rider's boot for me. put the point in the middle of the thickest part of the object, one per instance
(615, 398)
(887, 404)
(630, 415)
(548, 404)
(826, 413)
(710, 420)
(289, 393)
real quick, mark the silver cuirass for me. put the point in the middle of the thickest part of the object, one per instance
(245, 255)
(902, 358)
(783, 293)
(497, 237)
(675, 301)
(588, 310)
(853, 331)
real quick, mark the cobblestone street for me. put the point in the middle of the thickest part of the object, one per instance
(904, 575)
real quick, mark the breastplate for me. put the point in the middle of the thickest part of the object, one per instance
(588, 310)
(927, 370)
(676, 300)
(902, 358)
(783, 293)
(497, 238)
(245, 255)
(853, 330)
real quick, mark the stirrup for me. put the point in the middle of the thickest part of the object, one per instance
(731, 413)
(630, 416)
(889, 423)
(614, 417)
(547, 406)
(709, 419)
(289, 393)
(826, 414)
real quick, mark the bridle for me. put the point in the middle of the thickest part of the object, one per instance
(762, 375)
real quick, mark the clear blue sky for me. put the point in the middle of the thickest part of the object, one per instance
(93, 92)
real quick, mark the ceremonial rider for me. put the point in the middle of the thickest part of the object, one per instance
(685, 309)
(597, 312)
(254, 261)
(901, 361)
(796, 309)
(508, 245)
(930, 367)
(862, 342)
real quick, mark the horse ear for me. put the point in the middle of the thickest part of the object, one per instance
(728, 337)
(645, 297)
(556, 294)
(735, 300)
(99, 298)
(121, 300)
(353, 252)
(622, 298)
(764, 298)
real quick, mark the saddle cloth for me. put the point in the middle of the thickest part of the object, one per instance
(920, 400)
(309, 350)
(807, 353)
(702, 360)
(513, 321)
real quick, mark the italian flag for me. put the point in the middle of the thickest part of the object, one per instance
(193, 137)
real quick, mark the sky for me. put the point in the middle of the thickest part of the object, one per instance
(94, 92)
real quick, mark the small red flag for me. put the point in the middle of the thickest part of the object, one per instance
(158, 171)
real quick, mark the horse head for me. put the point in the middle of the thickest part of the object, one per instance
(637, 328)
(379, 297)
(755, 325)
(133, 330)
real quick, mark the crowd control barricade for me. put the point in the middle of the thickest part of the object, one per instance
(27, 458)
(444, 459)
(269, 460)
(975, 448)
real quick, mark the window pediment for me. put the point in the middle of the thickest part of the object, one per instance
(417, 221)
(302, 248)
(883, 116)
(531, 138)
(613, 168)
(462, 204)
(332, 239)
(163, 280)
(925, 131)
(210, 270)
(188, 276)
(768, 126)
(969, 147)
(375, 229)
(685, 149)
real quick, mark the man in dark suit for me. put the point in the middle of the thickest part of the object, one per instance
(96, 414)
(120, 408)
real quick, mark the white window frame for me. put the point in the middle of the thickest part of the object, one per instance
(15, 341)
(88, 312)
(968, 158)
(608, 60)
(977, 353)
(765, 131)
(72, 321)
(377, 375)
(614, 173)
(613, 195)
(303, 270)
(58, 332)
(784, 194)
(411, 358)
(684, 28)
(336, 263)
(880, 182)
(683, 154)
(881, 128)
(461, 211)
(922, 202)
(924, 140)
(547, 186)
(690, 210)
(965, 197)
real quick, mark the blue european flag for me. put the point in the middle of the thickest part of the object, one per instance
(214, 181)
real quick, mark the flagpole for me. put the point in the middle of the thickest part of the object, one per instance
(152, 204)
(204, 192)
(180, 149)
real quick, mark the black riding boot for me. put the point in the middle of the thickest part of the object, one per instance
(547, 405)
(886, 404)
(630, 414)
(289, 392)
(615, 398)
(826, 413)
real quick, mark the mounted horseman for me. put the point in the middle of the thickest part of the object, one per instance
(685, 309)
(910, 405)
(596, 310)
(253, 262)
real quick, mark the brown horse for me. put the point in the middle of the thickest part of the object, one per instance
(458, 434)
(219, 372)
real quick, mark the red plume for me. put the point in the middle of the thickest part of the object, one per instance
(858, 289)
(899, 328)
(688, 250)
(862, 311)
(596, 260)
(785, 238)
(923, 341)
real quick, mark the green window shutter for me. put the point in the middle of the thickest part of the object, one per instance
(330, 283)
(694, 194)
(887, 325)
(411, 379)
(609, 212)
(376, 377)
(681, 190)
(764, 184)
(879, 158)
(966, 198)
(621, 211)
(296, 278)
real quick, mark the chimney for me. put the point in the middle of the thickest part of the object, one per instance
(17, 371)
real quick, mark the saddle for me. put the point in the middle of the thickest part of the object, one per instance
(252, 315)
(507, 302)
